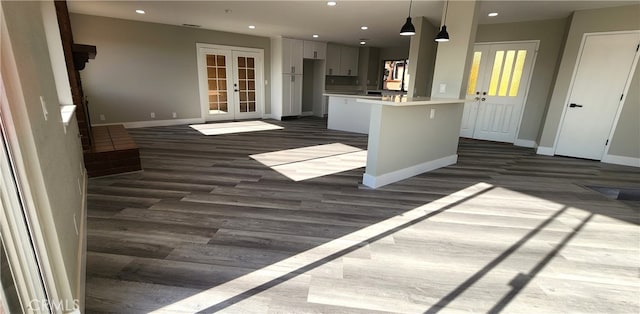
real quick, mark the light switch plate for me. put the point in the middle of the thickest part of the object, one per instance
(443, 88)
(432, 114)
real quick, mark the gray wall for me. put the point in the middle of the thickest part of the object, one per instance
(626, 138)
(422, 58)
(51, 160)
(146, 67)
(551, 35)
(589, 21)
(307, 85)
(395, 53)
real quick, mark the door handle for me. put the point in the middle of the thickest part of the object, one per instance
(483, 99)
(574, 106)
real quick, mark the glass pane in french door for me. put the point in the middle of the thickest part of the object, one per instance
(246, 84)
(507, 72)
(217, 84)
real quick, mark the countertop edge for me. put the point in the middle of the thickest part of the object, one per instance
(411, 102)
(373, 97)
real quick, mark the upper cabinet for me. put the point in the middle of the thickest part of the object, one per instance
(314, 50)
(349, 61)
(342, 60)
(292, 51)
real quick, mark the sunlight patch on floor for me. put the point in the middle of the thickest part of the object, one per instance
(234, 127)
(314, 257)
(543, 249)
(305, 163)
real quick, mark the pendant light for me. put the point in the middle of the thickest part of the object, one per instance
(443, 35)
(408, 29)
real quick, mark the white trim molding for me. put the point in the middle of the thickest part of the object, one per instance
(395, 176)
(525, 143)
(306, 113)
(621, 160)
(146, 124)
(547, 151)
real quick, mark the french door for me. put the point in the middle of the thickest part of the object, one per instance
(230, 79)
(496, 91)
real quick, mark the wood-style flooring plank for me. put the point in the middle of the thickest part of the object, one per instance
(206, 228)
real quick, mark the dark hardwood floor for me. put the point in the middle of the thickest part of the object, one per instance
(205, 228)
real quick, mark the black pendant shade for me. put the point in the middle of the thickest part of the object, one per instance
(408, 29)
(442, 35)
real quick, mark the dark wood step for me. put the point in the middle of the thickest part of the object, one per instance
(113, 151)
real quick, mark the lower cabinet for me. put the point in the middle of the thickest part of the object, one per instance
(291, 95)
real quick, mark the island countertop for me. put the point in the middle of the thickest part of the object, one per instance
(403, 100)
(353, 95)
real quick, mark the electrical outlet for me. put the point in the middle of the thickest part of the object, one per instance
(432, 114)
(153, 115)
(174, 115)
(102, 117)
(44, 108)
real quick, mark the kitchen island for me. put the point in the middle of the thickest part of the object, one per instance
(407, 135)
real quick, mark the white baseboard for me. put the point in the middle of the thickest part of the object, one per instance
(395, 176)
(267, 116)
(547, 151)
(621, 160)
(306, 113)
(146, 124)
(525, 143)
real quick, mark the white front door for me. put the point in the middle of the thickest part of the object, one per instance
(605, 64)
(496, 92)
(230, 86)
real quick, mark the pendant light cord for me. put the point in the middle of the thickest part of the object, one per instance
(410, 2)
(446, 7)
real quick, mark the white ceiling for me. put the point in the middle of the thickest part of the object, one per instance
(341, 23)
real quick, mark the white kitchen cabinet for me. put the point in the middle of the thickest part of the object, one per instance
(348, 61)
(292, 51)
(291, 95)
(342, 60)
(314, 50)
(333, 60)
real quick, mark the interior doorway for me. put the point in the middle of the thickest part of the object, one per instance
(230, 82)
(394, 75)
(497, 90)
(602, 76)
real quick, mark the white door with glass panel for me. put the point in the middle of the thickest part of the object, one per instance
(229, 83)
(496, 91)
(605, 68)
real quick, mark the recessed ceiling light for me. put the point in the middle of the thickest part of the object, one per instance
(364, 28)
(492, 14)
(362, 42)
(316, 35)
(331, 3)
(252, 26)
(140, 11)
